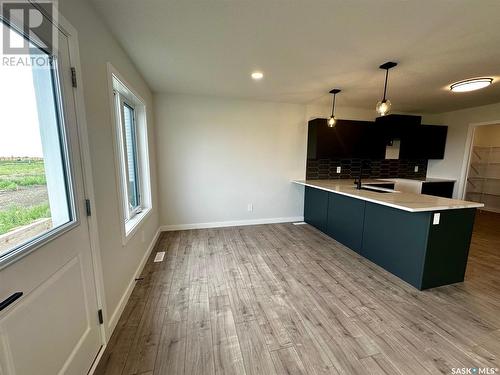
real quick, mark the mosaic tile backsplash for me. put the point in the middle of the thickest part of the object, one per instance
(324, 169)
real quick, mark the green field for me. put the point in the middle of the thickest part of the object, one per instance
(15, 174)
(17, 179)
(15, 217)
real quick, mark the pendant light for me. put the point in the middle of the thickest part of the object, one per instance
(384, 106)
(332, 120)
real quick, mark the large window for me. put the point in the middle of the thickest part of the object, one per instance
(132, 153)
(36, 199)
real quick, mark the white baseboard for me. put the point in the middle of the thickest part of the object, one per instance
(113, 320)
(237, 223)
(97, 359)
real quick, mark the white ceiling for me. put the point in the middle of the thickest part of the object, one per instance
(307, 47)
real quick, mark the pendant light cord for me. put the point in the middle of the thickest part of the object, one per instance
(385, 85)
(333, 105)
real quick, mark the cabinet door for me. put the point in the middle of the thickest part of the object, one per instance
(396, 240)
(433, 139)
(315, 207)
(349, 135)
(324, 142)
(345, 220)
(438, 189)
(410, 147)
(372, 145)
(361, 139)
(348, 139)
(424, 142)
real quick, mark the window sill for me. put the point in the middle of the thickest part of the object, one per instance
(134, 224)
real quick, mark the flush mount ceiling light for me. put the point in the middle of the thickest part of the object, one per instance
(332, 120)
(384, 106)
(257, 76)
(471, 84)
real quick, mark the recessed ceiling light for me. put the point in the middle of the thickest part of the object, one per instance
(471, 84)
(257, 75)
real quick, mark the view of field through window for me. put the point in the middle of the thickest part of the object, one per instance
(30, 155)
(23, 192)
(24, 201)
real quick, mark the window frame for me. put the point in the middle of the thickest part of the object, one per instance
(122, 93)
(122, 102)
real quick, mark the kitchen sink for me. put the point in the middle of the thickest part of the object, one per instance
(377, 189)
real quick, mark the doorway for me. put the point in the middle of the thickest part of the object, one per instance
(483, 174)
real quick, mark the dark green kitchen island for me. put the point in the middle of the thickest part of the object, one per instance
(422, 239)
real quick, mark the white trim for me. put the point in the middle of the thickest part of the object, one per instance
(468, 152)
(132, 225)
(115, 316)
(96, 360)
(235, 223)
(74, 56)
(127, 232)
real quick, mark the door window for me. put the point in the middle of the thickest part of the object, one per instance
(36, 198)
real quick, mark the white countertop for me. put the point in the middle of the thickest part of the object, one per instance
(403, 201)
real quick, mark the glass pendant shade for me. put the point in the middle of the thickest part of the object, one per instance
(332, 121)
(383, 107)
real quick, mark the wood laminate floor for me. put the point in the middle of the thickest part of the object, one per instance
(286, 299)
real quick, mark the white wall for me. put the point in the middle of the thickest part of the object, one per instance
(97, 47)
(455, 160)
(215, 156)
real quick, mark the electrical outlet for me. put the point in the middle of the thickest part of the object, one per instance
(250, 207)
(436, 218)
(339, 169)
(416, 168)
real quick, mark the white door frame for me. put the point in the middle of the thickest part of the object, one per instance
(468, 151)
(74, 53)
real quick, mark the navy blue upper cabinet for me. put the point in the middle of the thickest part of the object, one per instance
(368, 140)
(348, 139)
(424, 142)
(417, 141)
(434, 140)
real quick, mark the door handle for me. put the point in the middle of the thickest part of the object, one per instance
(6, 302)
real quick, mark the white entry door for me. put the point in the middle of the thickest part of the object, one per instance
(48, 305)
